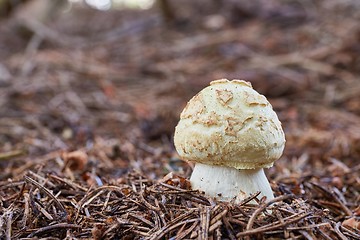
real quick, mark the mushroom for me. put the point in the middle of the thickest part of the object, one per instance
(231, 133)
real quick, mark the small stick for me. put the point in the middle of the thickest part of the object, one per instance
(281, 220)
(215, 226)
(176, 188)
(47, 192)
(325, 235)
(187, 231)
(347, 211)
(147, 222)
(11, 154)
(261, 208)
(238, 222)
(147, 204)
(92, 198)
(106, 202)
(338, 232)
(44, 212)
(159, 234)
(250, 198)
(69, 183)
(229, 229)
(271, 226)
(218, 217)
(95, 192)
(53, 228)
(26, 210)
(351, 233)
(284, 223)
(9, 215)
(309, 226)
(44, 180)
(204, 220)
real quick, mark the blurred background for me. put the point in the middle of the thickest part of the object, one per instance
(112, 77)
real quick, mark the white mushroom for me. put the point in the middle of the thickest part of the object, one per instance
(231, 133)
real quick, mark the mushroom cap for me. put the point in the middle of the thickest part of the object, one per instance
(229, 124)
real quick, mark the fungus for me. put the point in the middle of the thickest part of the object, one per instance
(231, 133)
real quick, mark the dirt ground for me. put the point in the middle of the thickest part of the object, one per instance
(89, 101)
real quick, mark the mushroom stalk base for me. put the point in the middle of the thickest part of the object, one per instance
(226, 184)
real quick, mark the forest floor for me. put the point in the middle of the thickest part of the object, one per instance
(89, 103)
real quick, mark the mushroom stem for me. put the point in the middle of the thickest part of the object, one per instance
(226, 183)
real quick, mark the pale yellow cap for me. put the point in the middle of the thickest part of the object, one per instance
(230, 124)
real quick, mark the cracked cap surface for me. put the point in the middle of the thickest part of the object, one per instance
(230, 124)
